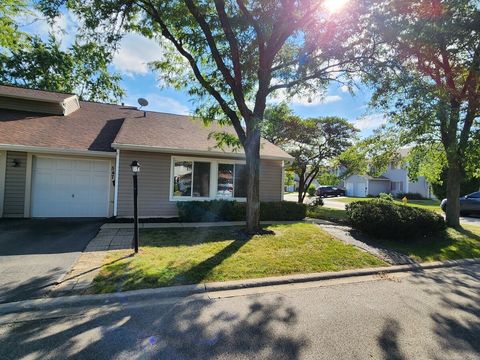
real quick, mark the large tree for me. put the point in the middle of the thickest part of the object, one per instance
(312, 142)
(231, 55)
(427, 74)
(10, 35)
(81, 69)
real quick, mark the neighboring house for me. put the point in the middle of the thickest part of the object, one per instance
(61, 157)
(394, 181)
(296, 179)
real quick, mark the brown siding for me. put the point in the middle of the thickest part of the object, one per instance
(154, 183)
(270, 180)
(14, 198)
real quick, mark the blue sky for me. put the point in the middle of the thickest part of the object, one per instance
(136, 51)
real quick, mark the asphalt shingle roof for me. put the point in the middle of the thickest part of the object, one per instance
(96, 126)
(179, 132)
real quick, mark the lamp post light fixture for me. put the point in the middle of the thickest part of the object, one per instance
(135, 166)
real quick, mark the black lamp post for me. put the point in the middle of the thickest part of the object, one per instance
(135, 165)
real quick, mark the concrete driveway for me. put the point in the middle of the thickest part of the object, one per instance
(34, 254)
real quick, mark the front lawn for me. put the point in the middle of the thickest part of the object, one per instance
(326, 213)
(194, 255)
(451, 245)
(430, 204)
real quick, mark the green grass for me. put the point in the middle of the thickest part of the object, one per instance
(452, 244)
(433, 205)
(326, 213)
(189, 256)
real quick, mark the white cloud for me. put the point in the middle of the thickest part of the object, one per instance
(305, 100)
(135, 53)
(160, 103)
(64, 27)
(370, 122)
(345, 89)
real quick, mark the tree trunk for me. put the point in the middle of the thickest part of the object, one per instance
(454, 178)
(301, 187)
(252, 152)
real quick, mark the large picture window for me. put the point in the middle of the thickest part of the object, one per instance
(208, 179)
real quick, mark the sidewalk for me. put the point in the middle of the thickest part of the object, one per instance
(90, 262)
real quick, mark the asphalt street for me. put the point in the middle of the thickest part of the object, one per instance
(432, 314)
(36, 253)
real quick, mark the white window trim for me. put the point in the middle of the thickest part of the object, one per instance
(213, 178)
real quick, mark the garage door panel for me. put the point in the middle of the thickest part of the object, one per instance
(70, 188)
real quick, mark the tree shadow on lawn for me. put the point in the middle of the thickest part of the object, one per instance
(128, 277)
(442, 246)
(191, 328)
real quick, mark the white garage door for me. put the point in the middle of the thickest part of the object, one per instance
(69, 188)
(359, 189)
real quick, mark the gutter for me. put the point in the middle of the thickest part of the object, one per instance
(133, 147)
(58, 151)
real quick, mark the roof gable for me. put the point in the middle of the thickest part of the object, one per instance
(37, 101)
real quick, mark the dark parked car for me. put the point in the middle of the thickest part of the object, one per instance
(324, 191)
(469, 204)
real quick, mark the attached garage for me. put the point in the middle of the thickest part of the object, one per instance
(356, 186)
(69, 187)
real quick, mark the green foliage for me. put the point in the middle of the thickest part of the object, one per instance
(225, 210)
(11, 38)
(385, 219)
(385, 197)
(425, 75)
(81, 69)
(311, 190)
(371, 155)
(467, 185)
(328, 178)
(289, 178)
(312, 142)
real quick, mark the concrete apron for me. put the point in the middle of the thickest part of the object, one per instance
(11, 312)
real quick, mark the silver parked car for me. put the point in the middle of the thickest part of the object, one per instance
(469, 204)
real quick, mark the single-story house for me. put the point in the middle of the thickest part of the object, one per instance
(61, 157)
(393, 181)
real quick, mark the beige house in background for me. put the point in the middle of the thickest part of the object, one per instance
(61, 157)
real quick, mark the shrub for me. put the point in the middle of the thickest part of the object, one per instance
(311, 190)
(226, 210)
(318, 201)
(385, 196)
(410, 196)
(385, 219)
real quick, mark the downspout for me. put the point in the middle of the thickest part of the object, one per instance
(283, 180)
(117, 170)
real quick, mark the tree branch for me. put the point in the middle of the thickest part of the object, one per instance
(206, 84)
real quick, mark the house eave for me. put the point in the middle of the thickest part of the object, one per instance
(133, 147)
(56, 151)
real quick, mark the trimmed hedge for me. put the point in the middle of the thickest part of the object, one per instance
(385, 219)
(226, 210)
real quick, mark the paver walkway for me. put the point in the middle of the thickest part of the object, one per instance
(90, 262)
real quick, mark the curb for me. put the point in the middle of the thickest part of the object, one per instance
(186, 290)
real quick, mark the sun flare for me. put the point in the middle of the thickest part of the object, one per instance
(334, 6)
